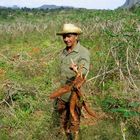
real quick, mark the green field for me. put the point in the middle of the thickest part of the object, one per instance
(29, 72)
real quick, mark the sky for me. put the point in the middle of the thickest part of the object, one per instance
(89, 4)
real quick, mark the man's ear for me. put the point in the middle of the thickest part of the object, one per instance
(76, 36)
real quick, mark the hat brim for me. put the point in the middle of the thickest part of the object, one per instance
(63, 33)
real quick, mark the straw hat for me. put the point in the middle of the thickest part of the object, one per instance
(70, 28)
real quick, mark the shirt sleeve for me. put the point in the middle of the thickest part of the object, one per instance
(85, 62)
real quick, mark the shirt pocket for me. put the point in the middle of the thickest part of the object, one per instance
(74, 58)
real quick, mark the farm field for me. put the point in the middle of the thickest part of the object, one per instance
(29, 50)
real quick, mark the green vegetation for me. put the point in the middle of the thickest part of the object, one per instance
(29, 49)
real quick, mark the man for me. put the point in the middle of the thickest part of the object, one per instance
(80, 56)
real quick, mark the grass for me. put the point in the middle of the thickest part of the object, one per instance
(29, 72)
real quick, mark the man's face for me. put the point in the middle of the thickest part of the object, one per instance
(70, 39)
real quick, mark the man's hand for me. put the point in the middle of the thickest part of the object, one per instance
(74, 66)
(78, 82)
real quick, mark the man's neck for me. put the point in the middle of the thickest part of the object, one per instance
(69, 49)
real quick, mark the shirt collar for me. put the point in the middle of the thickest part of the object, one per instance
(76, 48)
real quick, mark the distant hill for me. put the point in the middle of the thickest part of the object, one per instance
(1, 7)
(130, 3)
(52, 7)
(41, 7)
(48, 7)
(15, 7)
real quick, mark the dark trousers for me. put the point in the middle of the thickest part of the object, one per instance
(66, 121)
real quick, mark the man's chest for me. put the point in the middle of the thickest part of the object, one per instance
(66, 58)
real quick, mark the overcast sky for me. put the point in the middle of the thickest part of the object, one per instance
(89, 4)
